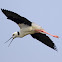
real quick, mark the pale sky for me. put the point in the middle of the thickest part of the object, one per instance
(47, 14)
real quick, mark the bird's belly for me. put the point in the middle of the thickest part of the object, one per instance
(26, 31)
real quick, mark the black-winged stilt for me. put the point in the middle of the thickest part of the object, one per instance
(28, 27)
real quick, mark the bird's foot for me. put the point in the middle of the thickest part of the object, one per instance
(56, 36)
(39, 30)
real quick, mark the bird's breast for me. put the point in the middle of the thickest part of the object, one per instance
(26, 31)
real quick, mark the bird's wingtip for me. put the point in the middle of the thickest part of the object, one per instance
(55, 48)
(1, 9)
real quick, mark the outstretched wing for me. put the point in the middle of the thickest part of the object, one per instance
(16, 18)
(44, 39)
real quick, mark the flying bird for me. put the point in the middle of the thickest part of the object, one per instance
(27, 27)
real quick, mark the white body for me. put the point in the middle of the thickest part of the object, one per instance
(25, 29)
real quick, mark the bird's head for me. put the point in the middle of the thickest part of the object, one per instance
(14, 35)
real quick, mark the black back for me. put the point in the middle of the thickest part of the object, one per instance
(16, 18)
(44, 39)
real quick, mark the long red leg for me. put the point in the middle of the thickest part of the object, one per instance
(46, 33)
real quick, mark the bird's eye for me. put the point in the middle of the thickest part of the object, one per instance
(13, 34)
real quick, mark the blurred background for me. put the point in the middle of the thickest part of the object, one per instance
(46, 13)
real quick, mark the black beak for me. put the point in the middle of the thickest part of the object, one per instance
(10, 42)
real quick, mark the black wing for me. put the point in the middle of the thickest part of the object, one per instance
(44, 39)
(16, 18)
